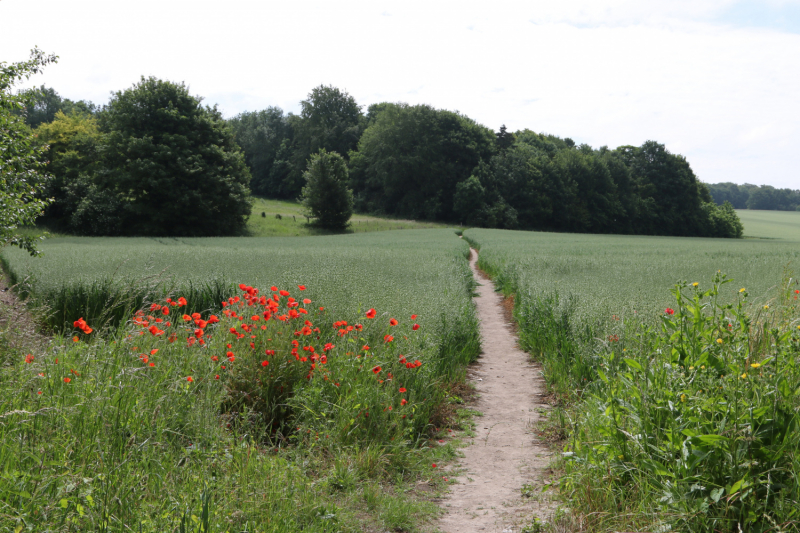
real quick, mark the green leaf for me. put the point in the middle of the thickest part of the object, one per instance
(712, 439)
(64, 503)
(602, 375)
(716, 494)
(634, 364)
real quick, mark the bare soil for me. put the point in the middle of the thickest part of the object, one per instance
(505, 465)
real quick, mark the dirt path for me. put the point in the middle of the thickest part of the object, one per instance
(504, 455)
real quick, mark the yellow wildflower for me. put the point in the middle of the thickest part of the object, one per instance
(691, 368)
(766, 307)
(695, 284)
(742, 289)
(755, 365)
(683, 398)
(719, 341)
(744, 376)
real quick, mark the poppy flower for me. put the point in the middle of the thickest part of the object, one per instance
(376, 370)
(328, 347)
(283, 293)
(388, 338)
(433, 465)
(415, 327)
(403, 401)
(155, 307)
(365, 348)
(264, 363)
(75, 339)
(154, 351)
(182, 301)
(402, 389)
(413, 317)
(669, 311)
(392, 322)
(306, 301)
(273, 289)
(301, 287)
(198, 333)
(371, 313)
(165, 310)
(29, 359)
(187, 318)
(189, 379)
(67, 380)
(214, 358)
(216, 377)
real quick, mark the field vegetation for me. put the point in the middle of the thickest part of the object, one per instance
(676, 385)
(306, 401)
(779, 225)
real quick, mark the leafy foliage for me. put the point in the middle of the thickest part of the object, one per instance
(411, 158)
(170, 166)
(21, 162)
(44, 103)
(748, 196)
(326, 196)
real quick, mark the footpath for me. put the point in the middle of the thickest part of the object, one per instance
(504, 467)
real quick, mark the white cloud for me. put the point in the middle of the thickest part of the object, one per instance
(613, 72)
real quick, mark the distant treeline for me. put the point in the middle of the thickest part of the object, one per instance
(749, 196)
(418, 162)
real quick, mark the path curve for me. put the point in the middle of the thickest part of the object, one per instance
(504, 454)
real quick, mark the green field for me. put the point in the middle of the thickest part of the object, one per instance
(782, 225)
(129, 428)
(678, 414)
(292, 223)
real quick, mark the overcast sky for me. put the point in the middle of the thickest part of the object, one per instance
(717, 81)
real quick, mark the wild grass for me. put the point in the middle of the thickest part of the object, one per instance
(110, 434)
(681, 409)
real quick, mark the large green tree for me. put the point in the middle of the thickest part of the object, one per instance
(171, 166)
(330, 119)
(411, 158)
(21, 162)
(326, 196)
(44, 102)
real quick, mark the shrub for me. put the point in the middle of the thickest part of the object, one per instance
(326, 196)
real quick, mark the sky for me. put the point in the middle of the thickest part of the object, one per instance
(717, 81)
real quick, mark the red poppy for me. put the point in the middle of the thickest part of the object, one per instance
(433, 465)
(214, 358)
(376, 370)
(198, 333)
(182, 301)
(392, 322)
(301, 287)
(328, 347)
(216, 377)
(371, 313)
(165, 310)
(283, 293)
(187, 318)
(403, 401)
(264, 363)
(402, 389)
(189, 379)
(154, 351)
(365, 348)
(29, 359)
(67, 380)
(669, 311)
(388, 338)
(415, 327)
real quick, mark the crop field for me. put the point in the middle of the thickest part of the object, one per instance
(90, 276)
(675, 363)
(781, 225)
(305, 402)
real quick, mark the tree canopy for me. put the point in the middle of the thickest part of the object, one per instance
(21, 162)
(325, 195)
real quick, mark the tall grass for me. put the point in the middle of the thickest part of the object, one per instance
(682, 409)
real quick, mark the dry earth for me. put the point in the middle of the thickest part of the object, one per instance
(504, 455)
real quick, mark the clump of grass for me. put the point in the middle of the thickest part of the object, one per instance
(225, 419)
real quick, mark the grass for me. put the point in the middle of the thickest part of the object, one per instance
(292, 223)
(782, 225)
(107, 433)
(681, 420)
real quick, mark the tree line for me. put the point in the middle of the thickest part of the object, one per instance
(750, 196)
(156, 161)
